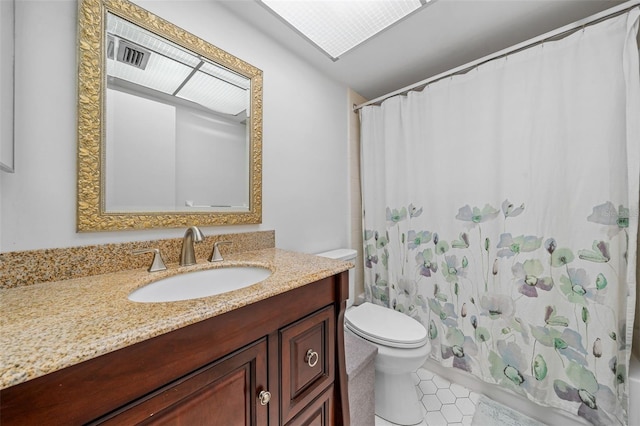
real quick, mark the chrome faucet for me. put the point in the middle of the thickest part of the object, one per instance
(188, 256)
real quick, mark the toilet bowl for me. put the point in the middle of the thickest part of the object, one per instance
(402, 345)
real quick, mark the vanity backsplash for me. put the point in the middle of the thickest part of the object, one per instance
(22, 268)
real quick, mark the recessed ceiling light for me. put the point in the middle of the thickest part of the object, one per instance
(337, 26)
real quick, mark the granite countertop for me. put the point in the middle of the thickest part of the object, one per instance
(50, 326)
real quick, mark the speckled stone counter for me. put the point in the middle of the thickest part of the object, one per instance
(49, 326)
(39, 266)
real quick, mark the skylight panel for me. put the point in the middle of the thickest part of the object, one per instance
(139, 60)
(214, 94)
(337, 26)
(222, 73)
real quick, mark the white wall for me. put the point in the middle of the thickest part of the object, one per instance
(6, 84)
(1, 178)
(140, 155)
(212, 159)
(305, 182)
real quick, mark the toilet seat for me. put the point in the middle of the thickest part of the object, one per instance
(385, 326)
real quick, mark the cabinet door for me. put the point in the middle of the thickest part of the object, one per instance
(308, 360)
(318, 413)
(224, 393)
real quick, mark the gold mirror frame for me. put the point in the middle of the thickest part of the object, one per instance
(91, 214)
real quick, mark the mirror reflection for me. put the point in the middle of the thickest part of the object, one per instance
(169, 125)
(177, 137)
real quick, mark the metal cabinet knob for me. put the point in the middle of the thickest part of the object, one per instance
(311, 358)
(264, 397)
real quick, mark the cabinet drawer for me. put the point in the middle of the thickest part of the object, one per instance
(307, 348)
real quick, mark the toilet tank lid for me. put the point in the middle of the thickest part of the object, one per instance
(339, 254)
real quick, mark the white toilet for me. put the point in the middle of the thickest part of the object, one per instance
(402, 345)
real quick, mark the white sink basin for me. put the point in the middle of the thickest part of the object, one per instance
(193, 285)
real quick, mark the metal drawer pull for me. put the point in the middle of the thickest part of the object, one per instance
(265, 397)
(312, 358)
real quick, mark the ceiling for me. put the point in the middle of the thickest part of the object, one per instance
(441, 36)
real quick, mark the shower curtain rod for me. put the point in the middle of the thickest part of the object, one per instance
(549, 36)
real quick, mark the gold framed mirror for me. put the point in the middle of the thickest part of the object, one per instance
(145, 158)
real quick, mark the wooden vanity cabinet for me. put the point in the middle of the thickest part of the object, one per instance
(306, 350)
(214, 372)
(221, 393)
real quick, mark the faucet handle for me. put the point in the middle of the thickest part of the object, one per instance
(157, 264)
(215, 255)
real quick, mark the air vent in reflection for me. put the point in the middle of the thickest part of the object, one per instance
(110, 46)
(132, 54)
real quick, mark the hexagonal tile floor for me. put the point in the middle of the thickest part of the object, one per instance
(445, 403)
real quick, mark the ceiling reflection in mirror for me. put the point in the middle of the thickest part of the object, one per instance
(177, 135)
(169, 125)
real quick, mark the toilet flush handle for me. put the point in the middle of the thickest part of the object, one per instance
(311, 358)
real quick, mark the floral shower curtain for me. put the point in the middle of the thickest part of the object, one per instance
(500, 210)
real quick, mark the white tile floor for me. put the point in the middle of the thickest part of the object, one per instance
(445, 403)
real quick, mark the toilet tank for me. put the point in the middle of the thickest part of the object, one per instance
(347, 255)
